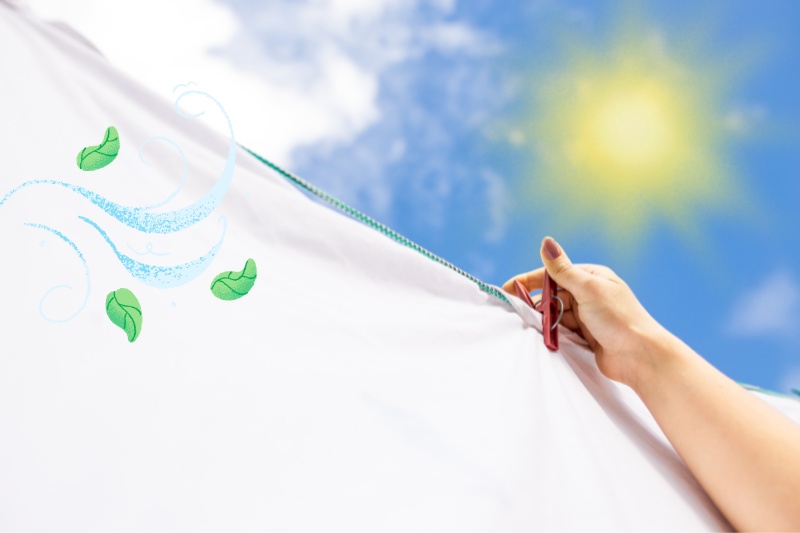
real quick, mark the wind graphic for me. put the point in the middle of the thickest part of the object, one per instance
(142, 219)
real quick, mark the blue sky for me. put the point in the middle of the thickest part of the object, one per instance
(429, 117)
(734, 297)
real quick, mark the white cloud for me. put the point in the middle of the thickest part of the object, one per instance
(458, 38)
(743, 120)
(289, 73)
(498, 205)
(428, 66)
(339, 91)
(772, 308)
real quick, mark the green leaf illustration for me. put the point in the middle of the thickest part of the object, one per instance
(124, 310)
(95, 157)
(233, 285)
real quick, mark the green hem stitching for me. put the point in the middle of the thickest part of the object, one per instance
(771, 392)
(371, 222)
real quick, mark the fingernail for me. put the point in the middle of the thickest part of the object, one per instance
(551, 249)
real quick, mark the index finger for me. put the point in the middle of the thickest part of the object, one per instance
(533, 280)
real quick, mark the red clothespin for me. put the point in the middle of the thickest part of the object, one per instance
(549, 309)
(549, 320)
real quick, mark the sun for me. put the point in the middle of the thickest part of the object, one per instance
(631, 129)
(626, 136)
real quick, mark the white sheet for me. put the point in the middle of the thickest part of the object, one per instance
(359, 386)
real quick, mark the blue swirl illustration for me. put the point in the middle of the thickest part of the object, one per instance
(148, 250)
(163, 276)
(140, 218)
(187, 84)
(57, 287)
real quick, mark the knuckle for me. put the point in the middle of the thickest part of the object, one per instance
(563, 267)
(592, 285)
(605, 271)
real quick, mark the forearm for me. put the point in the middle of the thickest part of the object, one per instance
(745, 454)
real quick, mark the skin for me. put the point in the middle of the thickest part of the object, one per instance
(744, 453)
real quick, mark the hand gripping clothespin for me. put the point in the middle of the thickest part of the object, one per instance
(548, 309)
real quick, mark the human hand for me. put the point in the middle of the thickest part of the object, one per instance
(601, 308)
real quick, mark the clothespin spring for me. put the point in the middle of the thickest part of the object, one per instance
(548, 310)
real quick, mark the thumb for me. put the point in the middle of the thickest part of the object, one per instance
(561, 268)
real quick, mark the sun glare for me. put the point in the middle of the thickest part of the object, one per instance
(627, 135)
(630, 130)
